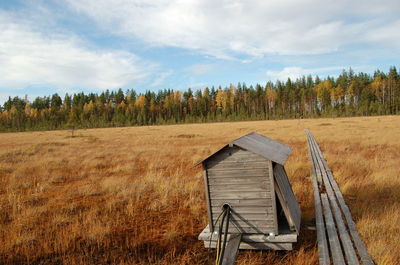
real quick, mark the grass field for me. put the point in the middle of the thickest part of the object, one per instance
(132, 196)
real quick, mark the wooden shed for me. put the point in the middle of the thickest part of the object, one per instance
(248, 175)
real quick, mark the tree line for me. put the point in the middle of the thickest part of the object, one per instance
(349, 94)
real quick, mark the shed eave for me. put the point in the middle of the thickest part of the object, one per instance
(205, 159)
(265, 147)
(256, 143)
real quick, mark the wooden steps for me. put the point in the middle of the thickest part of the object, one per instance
(337, 236)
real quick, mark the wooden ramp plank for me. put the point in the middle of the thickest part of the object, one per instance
(232, 249)
(348, 247)
(349, 237)
(323, 250)
(362, 250)
(334, 243)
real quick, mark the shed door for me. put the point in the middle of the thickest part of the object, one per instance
(243, 180)
(287, 199)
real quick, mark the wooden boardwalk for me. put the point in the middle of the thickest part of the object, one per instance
(338, 240)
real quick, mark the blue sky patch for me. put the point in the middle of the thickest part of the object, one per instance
(69, 46)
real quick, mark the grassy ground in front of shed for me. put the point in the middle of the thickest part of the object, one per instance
(131, 196)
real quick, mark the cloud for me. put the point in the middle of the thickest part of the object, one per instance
(230, 29)
(385, 34)
(198, 85)
(160, 78)
(30, 57)
(200, 69)
(295, 72)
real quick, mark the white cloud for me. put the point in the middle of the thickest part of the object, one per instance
(160, 78)
(385, 34)
(255, 28)
(200, 69)
(198, 85)
(295, 72)
(30, 57)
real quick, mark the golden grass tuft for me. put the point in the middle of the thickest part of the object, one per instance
(132, 195)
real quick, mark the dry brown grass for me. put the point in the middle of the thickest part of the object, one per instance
(131, 195)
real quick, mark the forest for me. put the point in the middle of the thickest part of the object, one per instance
(349, 94)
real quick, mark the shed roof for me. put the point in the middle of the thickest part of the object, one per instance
(261, 145)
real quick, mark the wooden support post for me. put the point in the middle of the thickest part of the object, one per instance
(209, 210)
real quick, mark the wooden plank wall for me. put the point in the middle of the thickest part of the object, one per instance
(243, 180)
(334, 222)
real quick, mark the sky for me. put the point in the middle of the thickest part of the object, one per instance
(69, 46)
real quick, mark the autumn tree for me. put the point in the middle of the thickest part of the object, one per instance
(307, 96)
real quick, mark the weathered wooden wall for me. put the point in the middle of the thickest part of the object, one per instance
(244, 180)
